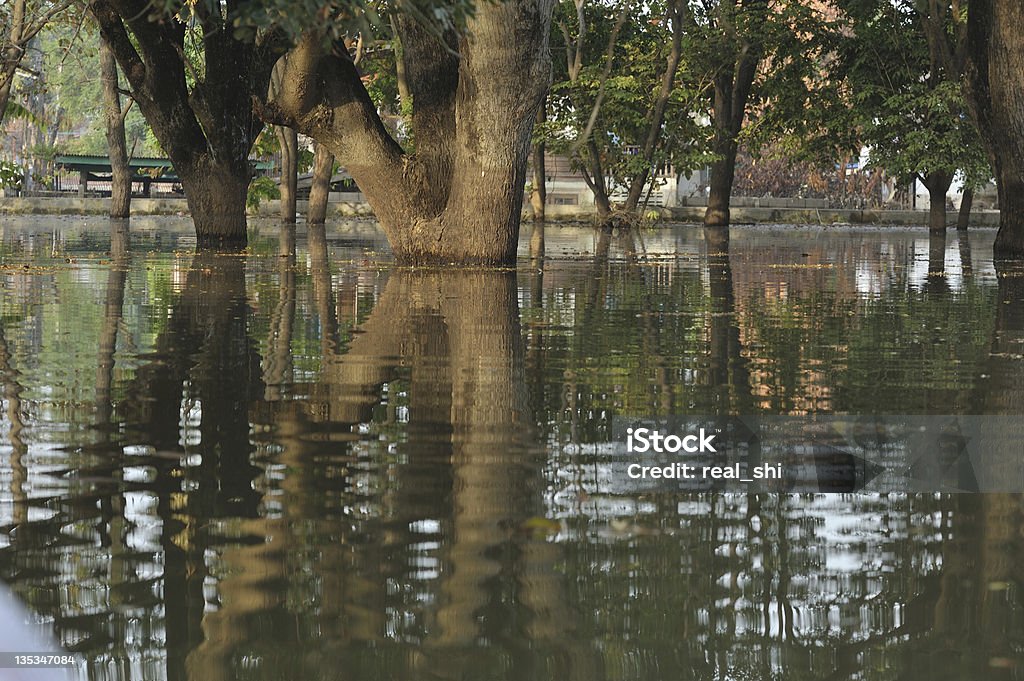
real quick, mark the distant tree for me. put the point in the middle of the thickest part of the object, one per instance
(23, 19)
(616, 108)
(908, 100)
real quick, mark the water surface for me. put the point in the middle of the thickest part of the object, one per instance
(318, 465)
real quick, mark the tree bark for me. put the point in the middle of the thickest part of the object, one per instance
(459, 197)
(995, 70)
(204, 121)
(320, 189)
(117, 147)
(289, 142)
(539, 187)
(937, 182)
(216, 195)
(963, 218)
(732, 86)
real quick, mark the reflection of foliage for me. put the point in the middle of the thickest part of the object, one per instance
(261, 189)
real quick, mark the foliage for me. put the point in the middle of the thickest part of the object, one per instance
(909, 108)
(11, 175)
(638, 58)
(260, 189)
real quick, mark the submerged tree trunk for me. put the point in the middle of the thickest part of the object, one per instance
(117, 147)
(732, 85)
(937, 182)
(996, 85)
(963, 218)
(459, 197)
(320, 189)
(538, 186)
(216, 195)
(204, 121)
(289, 142)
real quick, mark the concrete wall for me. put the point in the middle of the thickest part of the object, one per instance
(767, 211)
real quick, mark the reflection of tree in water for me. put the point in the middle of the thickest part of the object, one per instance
(389, 515)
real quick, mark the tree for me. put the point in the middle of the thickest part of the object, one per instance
(194, 77)
(117, 146)
(730, 35)
(475, 94)
(616, 109)
(320, 188)
(24, 20)
(995, 77)
(908, 99)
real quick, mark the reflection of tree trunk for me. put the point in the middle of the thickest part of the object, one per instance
(320, 272)
(113, 507)
(198, 393)
(320, 189)
(117, 148)
(12, 397)
(460, 333)
(966, 266)
(278, 364)
(116, 276)
(728, 371)
(937, 282)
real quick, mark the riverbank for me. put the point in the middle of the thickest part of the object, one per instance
(795, 215)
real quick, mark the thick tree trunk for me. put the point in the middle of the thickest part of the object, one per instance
(459, 197)
(216, 198)
(538, 185)
(320, 189)
(205, 122)
(996, 84)
(289, 142)
(117, 147)
(723, 171)
(963, 218)
(937, 183)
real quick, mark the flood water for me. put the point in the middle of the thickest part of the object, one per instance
(320, 466)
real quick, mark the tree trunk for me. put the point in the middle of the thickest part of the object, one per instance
(656, 118)
(539, 188)
(723, 171)
(216, 195)
(595, 180)
(205, 121)
(11, 54)
(963, 218)
(289, 142)
(459, 197)
(937, 182)
(732, 87)
(117, 147)
(996, 84)
(320, 189)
